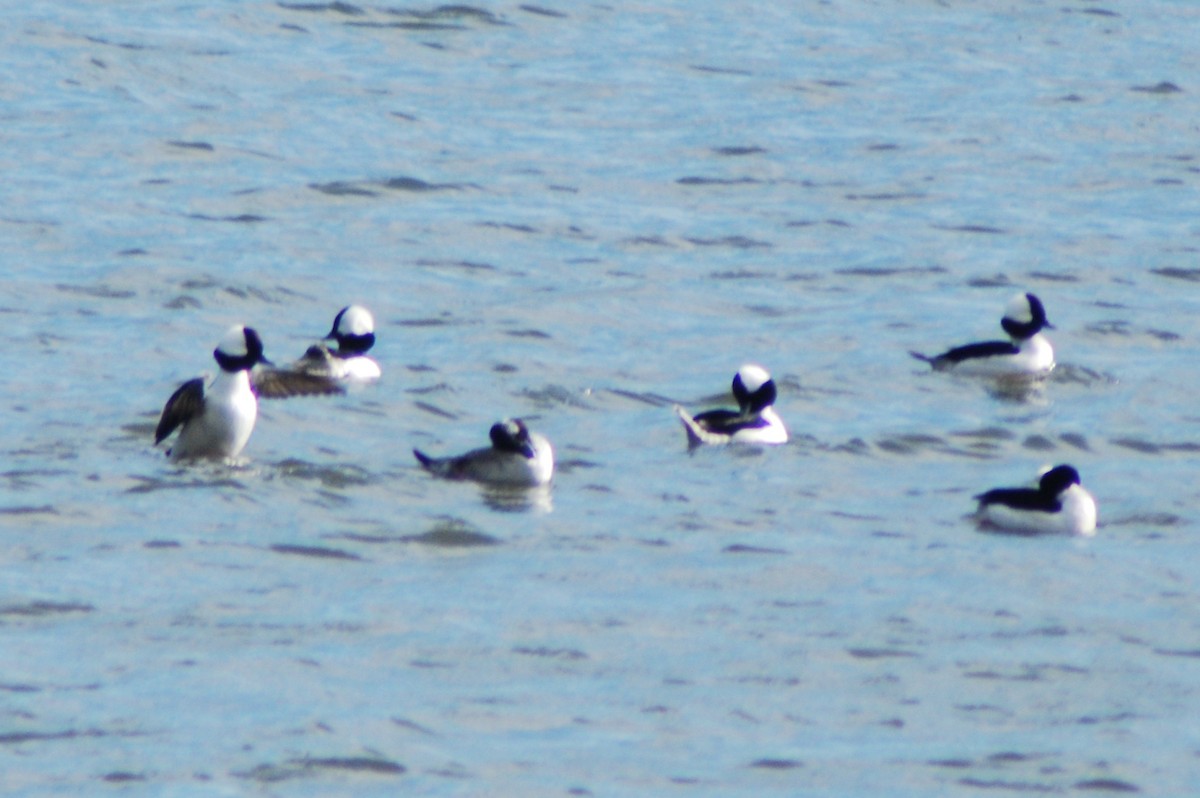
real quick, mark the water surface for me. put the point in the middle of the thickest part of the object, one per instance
(582, 214)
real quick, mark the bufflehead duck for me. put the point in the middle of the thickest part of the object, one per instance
(755, 421)
(516, 458)
(216, 420)
(322, 370)
(1058, 504)
(354, 331)
(1027, 353)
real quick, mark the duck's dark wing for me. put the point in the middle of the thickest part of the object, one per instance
(282, 383)
(448, 467)
(715, 426)
(182, 407)
(728, 422)
(959, 354)
(1020, 499)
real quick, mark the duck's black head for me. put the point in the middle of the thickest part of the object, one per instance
(753, 388)
(1058, 479)
(511, 435)
(354, 330)
(1024, 317)
(240, 349)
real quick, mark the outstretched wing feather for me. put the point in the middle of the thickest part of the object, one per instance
(277, 383)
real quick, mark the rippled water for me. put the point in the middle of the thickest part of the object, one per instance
(581, 214)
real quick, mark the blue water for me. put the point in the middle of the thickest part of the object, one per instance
(581, 214)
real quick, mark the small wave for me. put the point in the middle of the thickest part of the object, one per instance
(987, 434)
(336, 8)
(570, 654)
(715, 70)
(406, 183)
(1149, 447)
(543, 12)
(555, 396)
(567, 466)
(435, 410)
(454, 12)
(122, 777)
(879, 653)
(1175, 273)
(995, 281)
(745, 548)
(885, 271)
(886, 196)
(1107, 785)
(1191, 653)
(358, 764)
(42, 609)
(201, 146)
(855, 446)
(319, 552)
(97, 291)
(369, 188)
(451, 533)
(16, 738)
(732, 242)
(741, 274)
(913, 444)
(737, 152)
(1162, 87)
(330, 476)
(1149, 519)
(307, 767)
(1076, 440)
(777, 764)
(1054, 277)
(468, 265)
(25, 509)
(515, 227)
(153, 484)
(1071, 374)
(698, 180)
(342, 188)
(1009, 785)
(1039, 443)
(242, 218)
(649, 241)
